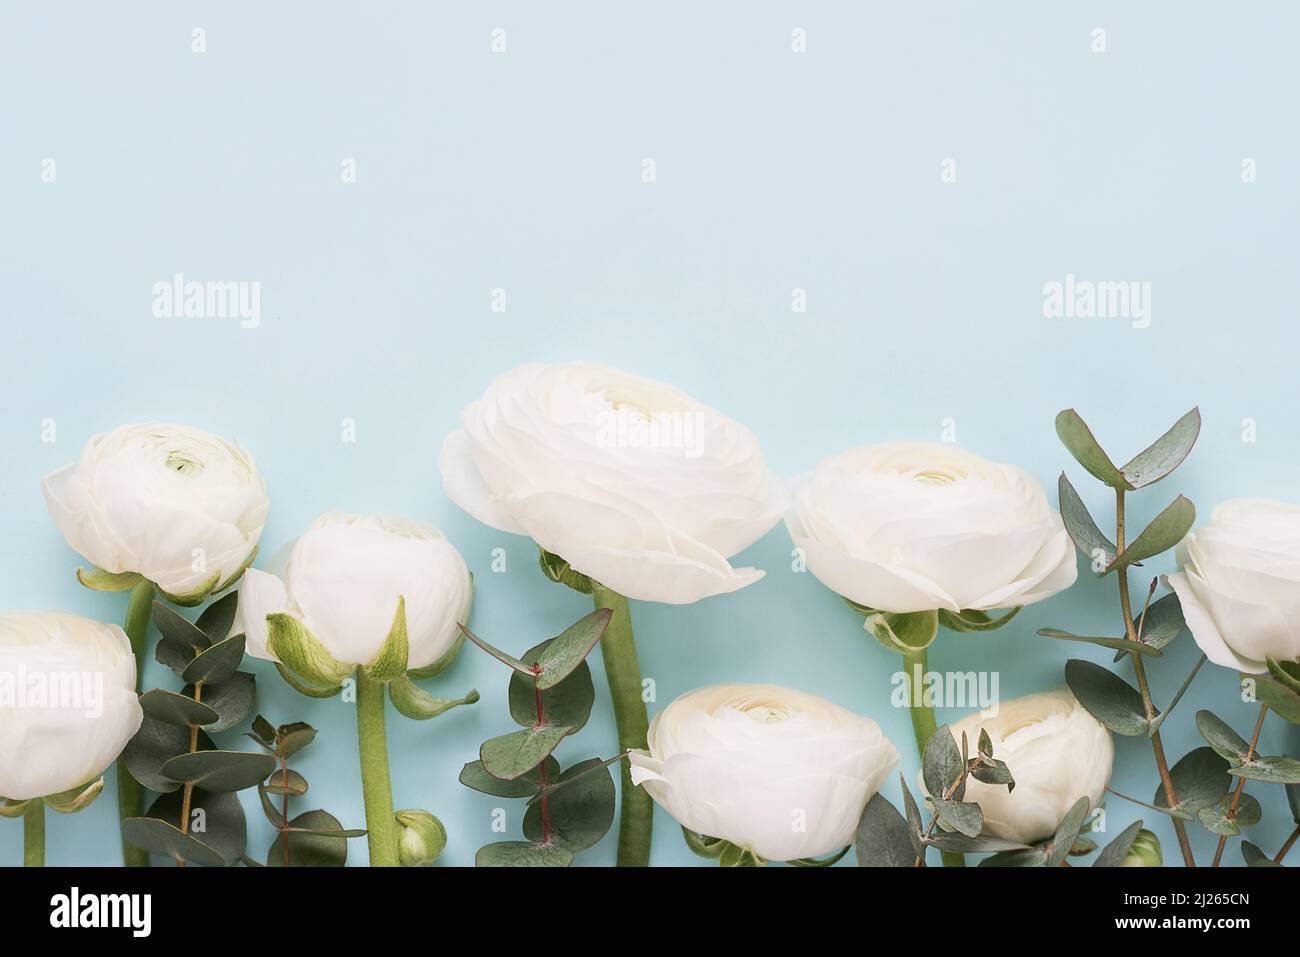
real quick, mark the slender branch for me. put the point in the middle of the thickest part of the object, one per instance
(1287, 846)
(1241, 784)
(130, 795)
(542, 772)
(284, 807)
(1160, 718)
(1139, 669)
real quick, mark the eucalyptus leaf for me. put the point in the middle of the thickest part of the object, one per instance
(1164, 454)
(159, 837)
(942, 765)
(1162, 623)
(522, 854)
(176, 627)
(216, 663)
(497, 653)
(1254, 857)
(1113, 854)
(474, 775)
(177, 709)
(985, 843)
(231, 698)
(1199, 778)
(1067, 832)
(173, 654)
(581, 813)
(292, 738)
(1019, 857)
(913, 819)
(1228, 744)
(1274, 770)
(220, 770)
(882, 838)
(563, 654)
(513, 755)
(1280, 699)
(285, 781)
(1082, 529)
(965, 818)
(1122, 644)
(1221, 818)
(318, 840)
(217, 620)
(154, 745)
(1080, 442)
(1107, 697)
(568, 703)
(1164, 532)
(215, 819)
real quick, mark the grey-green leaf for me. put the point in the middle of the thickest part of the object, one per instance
(1274, 770)
(474, 775)
(1080, 442)
(1083, 531)
(1113, 854)
(568, 703)
(216, 663)
(1228, 744)
(1108, 697)
(1165, 531)
(581, 812)
(882, 838)
(513, 755)
(523, 854)
(941, 765)
(1067, 832)
(159, 837)
(1199, 778)
(564, 653)
(1164, 454)
(220, 770)
(965, 818)
(177, 709)
(1122, 644)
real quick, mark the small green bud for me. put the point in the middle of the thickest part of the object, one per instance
(1145, 851)
(423, 838)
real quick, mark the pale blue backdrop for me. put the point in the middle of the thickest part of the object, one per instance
(522, 170)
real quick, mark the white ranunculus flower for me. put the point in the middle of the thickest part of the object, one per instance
(343, 580)
(777, 772)
(631, 481)
(1057, 753)
(1240, 584)
(912, 526)
(67, 701)
(179, 506)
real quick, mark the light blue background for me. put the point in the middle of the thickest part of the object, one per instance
(522, 170)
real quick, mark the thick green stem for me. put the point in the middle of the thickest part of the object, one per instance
(376, 786)
(34, 834)
(130, 795)
(618, 651)
(924, 724)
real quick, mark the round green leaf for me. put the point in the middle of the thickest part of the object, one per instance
(581, 812)
(523, 854)
(567, 704)
(512, 755)
(154, 745)
(473, 775)
(178, 709)
(159, 837)
(1108, 697)
(220, 770)
(320, 841)
(1199, 778)
(216, 663)
(231, 699)
(215, 819)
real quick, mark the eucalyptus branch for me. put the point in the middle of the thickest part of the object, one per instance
(1290, 842)
(1139, 670)
(1241, 784)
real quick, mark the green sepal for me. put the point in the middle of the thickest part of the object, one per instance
(439, 666)
(970, 619)
(101, 580)
(558, 570)
(238, 573)
(733, 856)
(75, 799)
(1285, 672)
(416, 703)
(828, 861)
(702, 845)
(290, 641)
(196, 597)
(903, 632)
(390, 661)
(11, 809)
(302, 687)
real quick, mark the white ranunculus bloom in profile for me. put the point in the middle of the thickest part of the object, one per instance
(631, 481)
(911, 526)
(1057, 753)
(343, 581)
(1240, 584)
(777, 772)
(178, 506)
(67, 701)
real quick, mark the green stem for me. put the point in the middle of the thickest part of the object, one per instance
(130, 795)
(618, 651)
(376, 786)
(924, 724)
(34, 834)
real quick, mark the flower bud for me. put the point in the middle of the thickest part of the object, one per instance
(1145, 851)
(423, 838)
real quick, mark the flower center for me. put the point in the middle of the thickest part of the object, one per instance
(180, 462)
